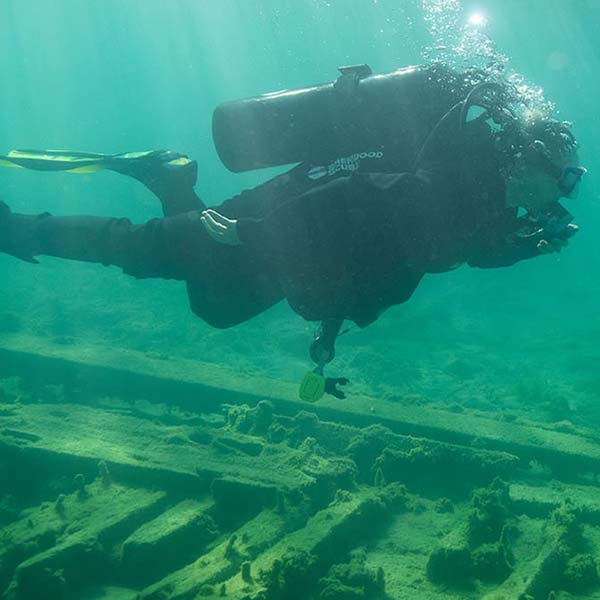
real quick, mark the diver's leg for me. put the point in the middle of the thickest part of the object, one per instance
(170, 176)
(171, 248)
(225, 284)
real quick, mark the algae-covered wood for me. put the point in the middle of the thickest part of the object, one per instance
(220, 493)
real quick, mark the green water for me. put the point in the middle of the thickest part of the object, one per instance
(118, 76)
(123, 75)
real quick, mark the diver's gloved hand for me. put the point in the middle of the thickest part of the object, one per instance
(331, 384)
(220, 228)
(555, 238)
(547, 233)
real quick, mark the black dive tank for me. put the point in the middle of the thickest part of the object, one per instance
(359, 112)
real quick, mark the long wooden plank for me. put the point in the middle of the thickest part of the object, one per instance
(78, 432)
(202, 386)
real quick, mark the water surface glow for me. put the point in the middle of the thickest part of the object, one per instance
(477, 19)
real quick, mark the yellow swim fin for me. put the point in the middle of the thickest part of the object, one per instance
(88, 162)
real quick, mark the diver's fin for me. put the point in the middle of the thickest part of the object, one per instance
(171, 176)
(54, 160)
(87, 162)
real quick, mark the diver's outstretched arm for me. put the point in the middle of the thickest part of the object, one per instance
(547, 239)
(225, 286)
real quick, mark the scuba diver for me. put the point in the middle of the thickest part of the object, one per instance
(399, 175)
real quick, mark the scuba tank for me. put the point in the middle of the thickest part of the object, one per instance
(358, 112)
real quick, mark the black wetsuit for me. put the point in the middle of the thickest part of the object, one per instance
(343, 239)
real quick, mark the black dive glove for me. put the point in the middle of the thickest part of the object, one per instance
(547, 233)
(331, 384)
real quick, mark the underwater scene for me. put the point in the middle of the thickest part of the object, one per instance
(299, 300)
